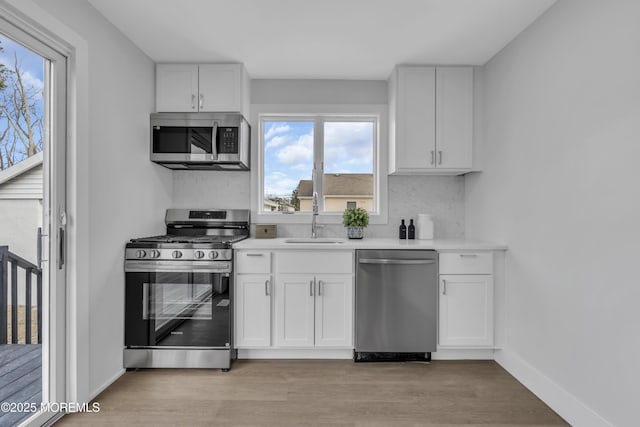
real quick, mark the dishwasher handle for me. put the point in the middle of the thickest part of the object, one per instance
(396, 261)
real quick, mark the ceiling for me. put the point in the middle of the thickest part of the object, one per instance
(322, 39)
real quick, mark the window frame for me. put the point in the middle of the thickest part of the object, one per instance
(324, 113)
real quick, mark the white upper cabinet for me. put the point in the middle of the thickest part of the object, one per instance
(176, 87)
(202, 88)
(430, 120)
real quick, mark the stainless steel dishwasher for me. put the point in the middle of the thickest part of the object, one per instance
(396, 304)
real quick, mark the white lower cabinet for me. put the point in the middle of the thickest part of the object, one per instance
(253, 310)
(310, 293)
(334, 311)
(466, 310)
(466, 300)
(314, 310)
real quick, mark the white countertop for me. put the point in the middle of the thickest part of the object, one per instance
(372, 243)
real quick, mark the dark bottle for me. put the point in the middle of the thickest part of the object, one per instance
(403, 230)
(411, 233)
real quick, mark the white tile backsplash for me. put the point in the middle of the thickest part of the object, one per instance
(440, 196)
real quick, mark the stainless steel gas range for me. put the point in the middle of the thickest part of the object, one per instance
(179, 291)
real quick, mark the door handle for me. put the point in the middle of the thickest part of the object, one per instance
(440, 156)
(319, 288)
(395, 261)
(311, 287)
(266, 287)
(444, 287)
(61, 239)
(193, 102)
(201, 103)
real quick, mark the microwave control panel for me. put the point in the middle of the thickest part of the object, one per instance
(227, 139)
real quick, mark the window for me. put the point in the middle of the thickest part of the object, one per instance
(334, 156)
(351, 205)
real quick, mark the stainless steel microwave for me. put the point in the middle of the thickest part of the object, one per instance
(209, 141)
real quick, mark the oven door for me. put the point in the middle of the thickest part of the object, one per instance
(177, 309)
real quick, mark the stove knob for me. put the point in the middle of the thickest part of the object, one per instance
(199, 254)
(177, 254)
(141, 254)
(213, 254)
(154, 254)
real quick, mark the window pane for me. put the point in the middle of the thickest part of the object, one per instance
(288, 165)
(348, 165)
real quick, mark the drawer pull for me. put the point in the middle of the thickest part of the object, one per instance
(266, 287)
(444, 287)
(469, 255)
(255, 254)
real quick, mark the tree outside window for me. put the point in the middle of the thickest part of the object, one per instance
(21, 103)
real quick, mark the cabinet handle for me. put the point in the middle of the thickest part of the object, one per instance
(319, 288)
(468, 255)
(444, 287)
(255, 254)
(193, 102)
(440, 156)
(201, 101)
(266, 287)
(311, 288)
(433, 157)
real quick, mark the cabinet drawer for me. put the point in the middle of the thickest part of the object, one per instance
(314, 262)
(466, 263)
(253, 262)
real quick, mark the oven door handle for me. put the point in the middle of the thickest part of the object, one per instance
(173, 267)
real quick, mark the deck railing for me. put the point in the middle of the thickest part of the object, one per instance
(10, 262)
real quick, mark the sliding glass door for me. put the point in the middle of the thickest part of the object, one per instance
(33, 117)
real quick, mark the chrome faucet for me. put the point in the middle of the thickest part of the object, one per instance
(314, 216)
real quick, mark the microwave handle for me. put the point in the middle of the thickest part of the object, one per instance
(214, 141)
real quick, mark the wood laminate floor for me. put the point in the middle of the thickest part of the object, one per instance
(327, 392)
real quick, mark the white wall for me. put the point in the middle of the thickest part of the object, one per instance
(561, 188)
(127, 194)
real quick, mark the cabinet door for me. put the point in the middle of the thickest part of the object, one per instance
(334, 311)
(294, 310)
(220, 88)
(454, 117)
(253, 310)
(466, 310)
(415, 121)
(314, 262)
(176, 87)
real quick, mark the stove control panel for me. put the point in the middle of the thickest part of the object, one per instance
(179, 255)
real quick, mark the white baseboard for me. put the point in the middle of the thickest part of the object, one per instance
(280, 353)
(463, 354)
(104, 386)
(564, 403)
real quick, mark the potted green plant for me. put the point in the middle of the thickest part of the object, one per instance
(355, 219)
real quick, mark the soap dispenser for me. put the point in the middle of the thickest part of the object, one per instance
(403, 230)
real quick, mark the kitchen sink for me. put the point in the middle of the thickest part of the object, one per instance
(317, 240)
